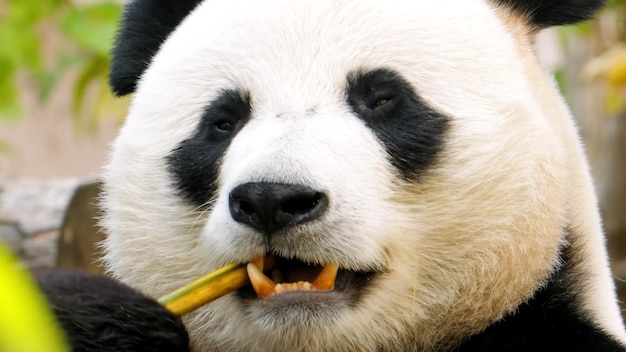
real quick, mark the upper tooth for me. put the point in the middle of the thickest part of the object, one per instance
(326, 278)
(263, 285)
(259, 262)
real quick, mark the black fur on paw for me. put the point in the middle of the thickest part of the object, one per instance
(99, 314)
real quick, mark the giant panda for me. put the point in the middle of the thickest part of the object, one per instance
(417, 146)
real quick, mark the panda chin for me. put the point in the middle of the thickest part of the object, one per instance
(284, 282)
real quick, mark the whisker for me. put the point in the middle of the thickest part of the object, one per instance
(205, 208)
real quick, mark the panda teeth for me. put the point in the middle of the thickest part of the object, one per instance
(294, 286)
(326, 279)
(266, 287)
(263, 285)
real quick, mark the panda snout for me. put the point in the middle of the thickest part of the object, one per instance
(269, 207)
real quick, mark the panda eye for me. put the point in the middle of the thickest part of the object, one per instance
(379, 103)
(224, 126)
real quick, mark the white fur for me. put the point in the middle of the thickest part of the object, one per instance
(486, 219)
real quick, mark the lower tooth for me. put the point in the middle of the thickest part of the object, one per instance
(293, 286)
(305, 285)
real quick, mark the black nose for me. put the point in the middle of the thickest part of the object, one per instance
(269, 207)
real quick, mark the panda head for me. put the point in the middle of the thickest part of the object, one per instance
(416, 145)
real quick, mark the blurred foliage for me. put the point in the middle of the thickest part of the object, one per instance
(610, 66)
(86, 34)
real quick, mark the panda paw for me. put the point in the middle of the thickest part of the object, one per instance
(101, 314)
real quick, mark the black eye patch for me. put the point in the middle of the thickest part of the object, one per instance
(410, 130)
(194, 163)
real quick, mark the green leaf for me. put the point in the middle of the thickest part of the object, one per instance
(560, 77)
(612, 4)
(93, 69)
(9, 102)
(27, 12)
(93, 27)
(583, 28)
(30, 51)
(47, 79)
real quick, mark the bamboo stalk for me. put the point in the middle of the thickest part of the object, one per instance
(206, 289)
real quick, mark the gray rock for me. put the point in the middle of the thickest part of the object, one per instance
(40, 250)
(31, 214)
(11, 235)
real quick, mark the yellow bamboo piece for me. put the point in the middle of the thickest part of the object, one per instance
(206, 289)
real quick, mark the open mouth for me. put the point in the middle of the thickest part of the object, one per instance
(272, 275)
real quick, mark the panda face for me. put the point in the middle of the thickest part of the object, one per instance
(400, 141)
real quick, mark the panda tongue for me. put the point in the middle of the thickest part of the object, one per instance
(305, 277)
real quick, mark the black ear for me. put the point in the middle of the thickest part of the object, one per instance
(546, 13)
(144, 26)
